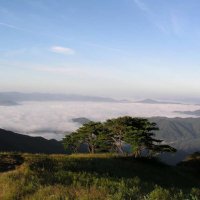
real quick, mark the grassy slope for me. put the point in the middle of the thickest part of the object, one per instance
(99, 177)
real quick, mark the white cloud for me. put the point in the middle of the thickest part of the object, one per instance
(53, 119)
(62, 50)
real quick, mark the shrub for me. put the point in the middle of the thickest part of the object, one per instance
(159, 193)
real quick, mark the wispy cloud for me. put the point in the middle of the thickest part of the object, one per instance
(150, 15)
(141, 5)
(170, 24)
(62, 50)
(12, 26)
(18, 28)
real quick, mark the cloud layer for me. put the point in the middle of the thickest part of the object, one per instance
(53, 119)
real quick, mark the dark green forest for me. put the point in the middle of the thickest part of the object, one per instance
(115, 134)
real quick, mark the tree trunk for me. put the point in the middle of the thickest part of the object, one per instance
(89, 148)
(119, 147)
(92, 148)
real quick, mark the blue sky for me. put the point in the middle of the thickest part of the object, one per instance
(116, 48)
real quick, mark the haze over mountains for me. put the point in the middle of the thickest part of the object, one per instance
(12, 98)
(8, 103)
(54, 115)
(194, 113)
(152, 101)
(181, 133)
(20, 97)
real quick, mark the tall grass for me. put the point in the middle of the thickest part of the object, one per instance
(95, 177)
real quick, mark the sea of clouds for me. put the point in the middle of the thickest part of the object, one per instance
(54, 119)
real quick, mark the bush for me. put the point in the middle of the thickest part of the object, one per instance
(159, 193)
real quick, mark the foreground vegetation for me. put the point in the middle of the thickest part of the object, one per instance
(95, 177)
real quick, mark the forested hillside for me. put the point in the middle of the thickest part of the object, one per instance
(181, 133)
(10, 141)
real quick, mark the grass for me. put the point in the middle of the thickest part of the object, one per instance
(93, 177)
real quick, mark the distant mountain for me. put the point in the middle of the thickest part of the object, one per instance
(81, 120)
(173, 129)
(151, 101)
(8, 103)
(10, 141)
(125, 101)
(19, 97)
(181, 133)
(195, 113)
(189, 100)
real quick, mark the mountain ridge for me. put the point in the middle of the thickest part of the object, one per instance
(19, 97)
(11, 141)
(152, 101)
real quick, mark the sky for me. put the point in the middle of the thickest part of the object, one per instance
(114, 48)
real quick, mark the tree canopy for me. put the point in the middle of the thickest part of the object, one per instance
(113, 134)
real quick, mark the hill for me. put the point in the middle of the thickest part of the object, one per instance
(8, 103)
(10, 141)
(194, 113)
(81, 120)
(181, 133)
(152, 101)
(19, 97)
(93, 177)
